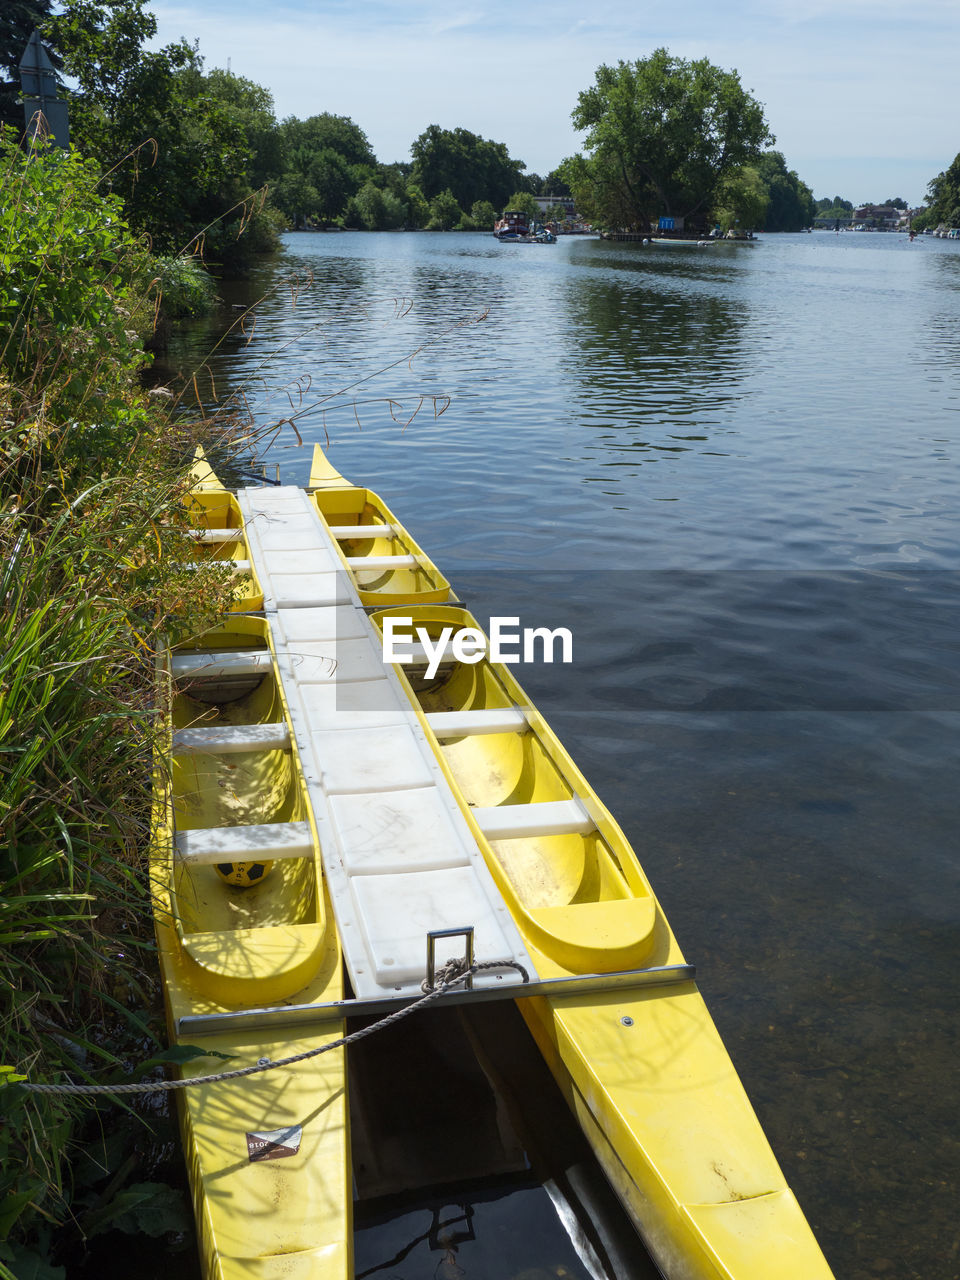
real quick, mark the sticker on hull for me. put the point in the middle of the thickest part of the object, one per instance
(274, 1144)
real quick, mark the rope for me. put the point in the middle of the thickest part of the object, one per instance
(448, 975)
(455, 970)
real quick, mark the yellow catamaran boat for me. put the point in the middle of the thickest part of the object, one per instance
(326, 820)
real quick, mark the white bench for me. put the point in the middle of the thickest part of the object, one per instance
(549, 818)
(265, 841)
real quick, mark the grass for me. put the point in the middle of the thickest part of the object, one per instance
(93, 544)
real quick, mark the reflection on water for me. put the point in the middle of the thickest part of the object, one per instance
(774, 720)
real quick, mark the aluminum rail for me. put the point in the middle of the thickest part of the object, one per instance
(292, 1014)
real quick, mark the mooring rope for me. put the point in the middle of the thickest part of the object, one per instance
(448, 975)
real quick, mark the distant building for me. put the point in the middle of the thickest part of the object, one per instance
(883, 216)
(566, 203)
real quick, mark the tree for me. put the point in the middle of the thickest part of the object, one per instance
(742, 201)
(897, 202)
(445, 212)
(418, 209)
(791, 204)
(554, 185)
(326, 131)
(175, 150)
(251, 107)
(376, 209)
(483, 215)
(472, 168)
(296, 197)
(663, 133)
(825, 205)
(523, 202)
(943, 193)
(600, 195)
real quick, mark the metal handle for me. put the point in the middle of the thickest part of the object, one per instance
(433, 935)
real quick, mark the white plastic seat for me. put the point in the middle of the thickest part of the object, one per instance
(345, 531)
(382, 562)
(225, 739)
(461, 724)
(393, 832)
(395, 913)
(549, 818)
(206, 846)
(202, 662)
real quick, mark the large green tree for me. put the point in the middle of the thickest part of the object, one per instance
(943, 194)
(329, 132)
(791, 204)
(662, 133)
(176, 146)
(472, 168)
(322, 162)
(742, 201)
(251, 107)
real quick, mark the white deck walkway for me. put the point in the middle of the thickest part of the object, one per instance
(399, 857)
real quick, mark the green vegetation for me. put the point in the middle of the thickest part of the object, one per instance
(662, 136)
(791, 205)
(445, 212)
(470, 167)
(180, 147)
(837, 208)
(92, 573)
(742, 200)
(184, 288)
(204, 167)
(523, 202)
(943, 194)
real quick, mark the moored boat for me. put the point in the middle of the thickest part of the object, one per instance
(512, 226)
(399, 804)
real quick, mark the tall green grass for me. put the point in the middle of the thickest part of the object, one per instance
(92, 577)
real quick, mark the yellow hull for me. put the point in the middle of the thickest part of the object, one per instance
(267, 1155)
(217, 526)
(364, 529)
(646, 1072)
(642, 1068)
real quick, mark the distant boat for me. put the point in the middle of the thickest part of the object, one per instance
(513, 226)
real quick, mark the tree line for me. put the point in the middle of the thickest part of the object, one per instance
(943, 194)
(664, 137)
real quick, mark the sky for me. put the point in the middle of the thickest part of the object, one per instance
(862, 95)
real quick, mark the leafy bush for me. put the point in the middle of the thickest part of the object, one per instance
(93, 554)
(444, 212)
(185, 289)
(68, 306)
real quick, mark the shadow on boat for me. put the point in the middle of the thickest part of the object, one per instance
(469, 1163)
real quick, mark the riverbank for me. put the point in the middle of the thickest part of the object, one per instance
(93, 575)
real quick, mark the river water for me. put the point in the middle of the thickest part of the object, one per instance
(734, 474)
